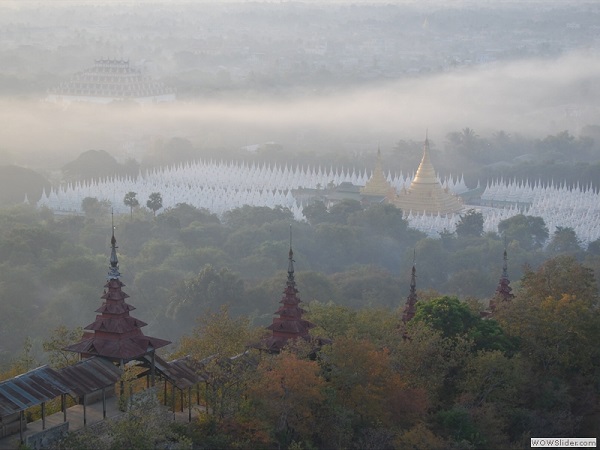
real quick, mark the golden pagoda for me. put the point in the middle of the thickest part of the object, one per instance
(425, 194)
(378, 185)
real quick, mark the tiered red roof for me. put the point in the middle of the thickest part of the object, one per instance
(289, 324)
(115, 334)
(503, 291)
(411, 301)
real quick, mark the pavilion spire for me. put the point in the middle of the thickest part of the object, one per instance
(113, 271)
(290, 279)
(503, 291)
(115, 334)
(411, 301)
(289, 325)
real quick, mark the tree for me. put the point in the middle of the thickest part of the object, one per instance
(470, 224)
(208, 290)
(381, 218)
(555, 317)
(529, 231)
(255, 216)
(217, 338)
(94, 208)
(367, 387)
(146, 424)
(594, 247)
(187, 214)
(454, 318)
(289, 392)
(60, 338)
(560, 275)
(155, 202)
(446, 314)
(564, 240)
(340, 212)
(131, 201)
(316, 212)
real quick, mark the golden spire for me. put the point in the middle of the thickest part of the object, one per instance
(425, 173)
(378, 183)
(425, 193)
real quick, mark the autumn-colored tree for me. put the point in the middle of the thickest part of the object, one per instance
(23, 363)
(60, 338)
(430, 361)
(289, 392)
(218, 344)
(366, 385)
(561, 275)
(555, 316)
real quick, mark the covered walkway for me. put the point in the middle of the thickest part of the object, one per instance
(94, 415)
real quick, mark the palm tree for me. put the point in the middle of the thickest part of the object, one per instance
(154, 202)
(131, 201)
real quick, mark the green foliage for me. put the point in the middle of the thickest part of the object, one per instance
(454, 319)
(131, 201)
(564, 240)
(145, 425)
(341, 212)
(316, 212)
(367, 286)
(154, 202)
(253, 216)
(529, 231)
(94, 208)
(558, 276)
(205, 292)
(470, 224)
(382, 219)
(60, 338)
(187, 214)
(447, 314)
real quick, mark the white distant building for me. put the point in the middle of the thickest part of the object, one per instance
(111, 80)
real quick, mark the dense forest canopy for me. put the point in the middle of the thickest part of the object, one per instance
(187, 261)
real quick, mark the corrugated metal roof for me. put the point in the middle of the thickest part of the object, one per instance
(30, 389)
(44, 383)
(90, 375)
(183, 372)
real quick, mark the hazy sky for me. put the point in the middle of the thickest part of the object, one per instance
(535, 97)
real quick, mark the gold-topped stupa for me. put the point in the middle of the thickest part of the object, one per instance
(425, 194)
(378, 185)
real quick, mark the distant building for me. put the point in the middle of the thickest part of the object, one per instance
(378, 185)
(426, 194)
(111, 80)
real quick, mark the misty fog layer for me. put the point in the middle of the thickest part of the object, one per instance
(530, 97)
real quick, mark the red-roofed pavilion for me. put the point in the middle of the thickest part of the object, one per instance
(115, 334)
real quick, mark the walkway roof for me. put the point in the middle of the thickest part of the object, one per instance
(44, 384)
(30, 389)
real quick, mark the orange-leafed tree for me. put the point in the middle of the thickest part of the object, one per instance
(366, 385)
(288, 394)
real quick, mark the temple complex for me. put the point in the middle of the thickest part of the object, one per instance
(115, 334)
(111, 80)
(378, 185)
(425, 194)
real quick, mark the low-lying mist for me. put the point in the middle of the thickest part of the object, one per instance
(533, 97)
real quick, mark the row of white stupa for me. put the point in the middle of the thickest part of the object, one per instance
(220, 187)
